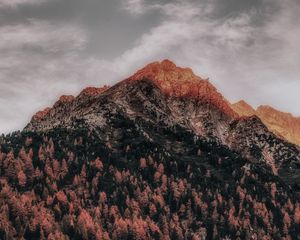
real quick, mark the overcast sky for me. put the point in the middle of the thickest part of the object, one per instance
(250, 49)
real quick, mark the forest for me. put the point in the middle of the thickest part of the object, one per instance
(70, 184)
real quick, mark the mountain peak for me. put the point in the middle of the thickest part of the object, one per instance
(182, 82)
(243, 103)
(165, 72)
(242, 108)
(168, 64)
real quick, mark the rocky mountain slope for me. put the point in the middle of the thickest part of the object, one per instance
(167, 95)
(284, 125)
(160, 155)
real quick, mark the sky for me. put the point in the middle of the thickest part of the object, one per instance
(248, 49)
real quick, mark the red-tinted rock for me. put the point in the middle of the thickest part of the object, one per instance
(182, 82)
(64, 99)
(41, 114)
(93, 91)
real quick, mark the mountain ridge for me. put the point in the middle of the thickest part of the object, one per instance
(284, 125)
(174, 83)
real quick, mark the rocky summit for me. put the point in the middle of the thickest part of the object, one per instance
(160, 155)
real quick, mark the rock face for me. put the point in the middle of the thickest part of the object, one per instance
(165, 97)
(284, 125)
(39, 116)
(64, 100)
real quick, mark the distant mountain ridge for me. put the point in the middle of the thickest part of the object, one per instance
(283, 124)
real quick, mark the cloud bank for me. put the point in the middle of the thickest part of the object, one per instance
(16, 3)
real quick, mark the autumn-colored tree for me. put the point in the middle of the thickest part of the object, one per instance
(22, 179)
(118, 177)
(143, 163)
(85, 225)
(64, 169)
(98, 164)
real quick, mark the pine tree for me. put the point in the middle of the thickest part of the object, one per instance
(22, 179)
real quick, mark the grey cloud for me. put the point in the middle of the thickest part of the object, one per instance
(38, 58)
(41, 35)
(16, 3)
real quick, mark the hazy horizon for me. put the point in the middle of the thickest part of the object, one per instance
(248, 49)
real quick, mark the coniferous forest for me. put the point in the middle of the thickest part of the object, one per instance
(71, 185)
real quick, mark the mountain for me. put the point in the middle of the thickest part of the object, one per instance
(159, 155)
(161, 93)
(284, 125)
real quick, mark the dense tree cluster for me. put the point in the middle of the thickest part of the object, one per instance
(72, 185)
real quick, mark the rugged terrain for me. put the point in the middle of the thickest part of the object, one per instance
(160, 155)
(284, 125)
(166, 95)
